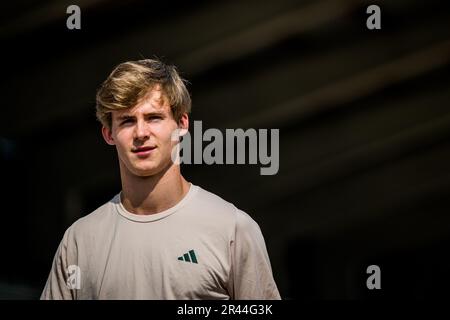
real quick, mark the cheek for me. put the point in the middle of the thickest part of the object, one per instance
(122, 137)
(165, 135)
(121, 143)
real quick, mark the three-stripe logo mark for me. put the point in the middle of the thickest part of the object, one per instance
(189, 257)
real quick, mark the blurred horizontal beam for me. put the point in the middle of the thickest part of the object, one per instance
(341, 93)
(265, 34)
(49, 12)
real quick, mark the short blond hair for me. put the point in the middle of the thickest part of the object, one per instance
(129, 82)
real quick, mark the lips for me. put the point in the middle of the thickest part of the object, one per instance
(143, 151)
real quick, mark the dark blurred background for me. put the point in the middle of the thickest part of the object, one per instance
(364, 119)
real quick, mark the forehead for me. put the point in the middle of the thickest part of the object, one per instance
(154, 101)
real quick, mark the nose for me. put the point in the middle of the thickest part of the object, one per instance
(141, 130)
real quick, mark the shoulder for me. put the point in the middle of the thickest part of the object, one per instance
(219, 208)
(213, 201)
(92, 223)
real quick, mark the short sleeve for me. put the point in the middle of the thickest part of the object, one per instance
(251, 272)
(56, 287)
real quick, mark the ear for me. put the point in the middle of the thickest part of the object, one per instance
(183, 124)
(107, 135)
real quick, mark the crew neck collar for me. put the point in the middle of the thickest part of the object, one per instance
(156, 216)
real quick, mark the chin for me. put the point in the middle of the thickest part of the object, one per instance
(147, 169)
(146, 172)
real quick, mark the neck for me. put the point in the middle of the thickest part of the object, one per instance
(152, 194)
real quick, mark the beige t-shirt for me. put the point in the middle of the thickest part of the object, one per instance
(202, 248)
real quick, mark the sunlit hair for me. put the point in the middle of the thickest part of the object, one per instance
(130, 81)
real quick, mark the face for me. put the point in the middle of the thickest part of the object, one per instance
(143, 134)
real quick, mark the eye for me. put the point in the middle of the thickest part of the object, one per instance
(154, 118)
(126, 121)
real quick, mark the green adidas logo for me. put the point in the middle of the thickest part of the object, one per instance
(189, 257)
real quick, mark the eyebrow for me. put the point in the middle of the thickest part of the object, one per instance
(128, 116)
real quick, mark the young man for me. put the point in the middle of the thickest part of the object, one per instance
(161, 237)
